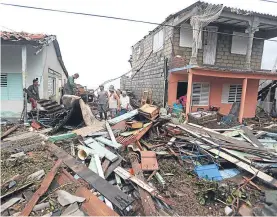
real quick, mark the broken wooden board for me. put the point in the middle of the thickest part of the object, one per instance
(206, 131)
(148, 161)
(112, 167)
(85, 131)
(270, 180)
(100, 150)
(109, 129)
(253, 139)
(123, 117)
(43, 188)
(112, 193)
(128, 176)
(108, 142)
(146, 199)
(92, 205)
(9, 131)
(134, 124)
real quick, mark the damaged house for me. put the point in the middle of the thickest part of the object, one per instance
(25, 56)
(208, 52)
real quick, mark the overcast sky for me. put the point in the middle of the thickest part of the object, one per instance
(97, 48)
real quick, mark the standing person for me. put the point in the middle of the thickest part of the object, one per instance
(33, 96)
(114, 102)
(118, 92)
(70, 86)
(103, 98)
(124, 103)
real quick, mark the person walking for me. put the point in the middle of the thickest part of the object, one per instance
(114, 102)
(70, 86)
(33, 95)
(103, 98)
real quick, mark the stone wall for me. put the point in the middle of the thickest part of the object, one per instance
(151, 76)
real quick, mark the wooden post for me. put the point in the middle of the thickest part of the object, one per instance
(242, 102)
(189, 93)
(24, 75)
(253, 27)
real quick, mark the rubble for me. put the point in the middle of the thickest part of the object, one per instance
(140, 164)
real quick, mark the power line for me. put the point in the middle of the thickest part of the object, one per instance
(127, 19)
(268, 1)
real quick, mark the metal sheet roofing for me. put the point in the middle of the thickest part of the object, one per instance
(37, 40)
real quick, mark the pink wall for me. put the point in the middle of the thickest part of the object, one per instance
(216, 86)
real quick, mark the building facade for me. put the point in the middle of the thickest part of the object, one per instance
(25, 57)
(231, 44)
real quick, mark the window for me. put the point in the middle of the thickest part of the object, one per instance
(200, 94)
(239, 43)
(4, 80)
(158, 41)
(231, 93)
(11, 86)
(51, 86)
(186, 36)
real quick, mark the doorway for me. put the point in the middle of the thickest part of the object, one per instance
(182, 87)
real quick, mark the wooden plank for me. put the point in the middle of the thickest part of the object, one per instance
(146, 199)
(85, 131)
(251, 136)
(92, 205)
(270, 180)
(9, 131)
(43, 188)
(128, 176)
(102, 151)
(112, 167)
(108, 142)
(105, 165)
(112, 193)
(109, 129)
(203, 130)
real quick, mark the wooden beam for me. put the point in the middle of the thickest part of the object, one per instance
(189, 93)
(268, 179)
(43, 188)
(112, 193)
(251, 136)
(242, 101)
(24, 77)
(186, 16)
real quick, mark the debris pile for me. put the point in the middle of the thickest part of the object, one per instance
(139, 163)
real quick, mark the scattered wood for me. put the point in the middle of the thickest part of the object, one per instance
(112, 167)
(43, 188)
(92, 205)
(253, 139)
(105, 165)
(113, 194)
(128, 176)
(149, 161)
(9, 131)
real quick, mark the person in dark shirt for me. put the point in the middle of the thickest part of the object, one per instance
(34, 94)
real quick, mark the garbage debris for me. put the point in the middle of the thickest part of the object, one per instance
(138, 163)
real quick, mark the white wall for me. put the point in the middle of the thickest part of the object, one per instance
(11, 62)
(51, 61)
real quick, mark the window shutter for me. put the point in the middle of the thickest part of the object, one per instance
(225, 93)
(205, 92)
(239, 43)
(158, 41)
(200, 94)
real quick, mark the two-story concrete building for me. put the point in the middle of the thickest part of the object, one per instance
(24, 57)
(214, 63)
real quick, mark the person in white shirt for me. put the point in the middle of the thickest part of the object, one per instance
(124, 103)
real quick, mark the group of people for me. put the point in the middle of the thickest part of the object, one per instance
(115, 101)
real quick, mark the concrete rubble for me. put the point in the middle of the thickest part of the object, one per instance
(144, 162)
